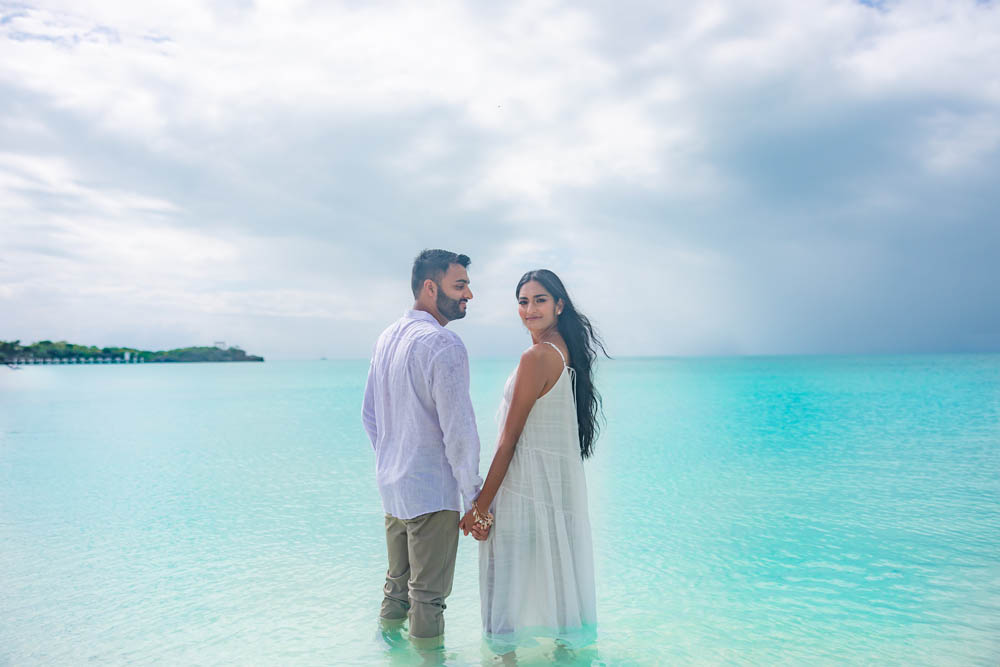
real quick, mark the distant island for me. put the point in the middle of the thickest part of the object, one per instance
(61, 352)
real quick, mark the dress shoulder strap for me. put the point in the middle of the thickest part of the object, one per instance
(556, 348)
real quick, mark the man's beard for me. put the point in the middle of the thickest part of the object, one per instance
(450, 308)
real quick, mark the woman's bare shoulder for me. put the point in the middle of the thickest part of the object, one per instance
(540, 360)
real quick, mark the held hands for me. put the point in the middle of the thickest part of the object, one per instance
(469, 525)
(476, 522)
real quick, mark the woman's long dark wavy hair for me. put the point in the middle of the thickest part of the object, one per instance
(582, 342)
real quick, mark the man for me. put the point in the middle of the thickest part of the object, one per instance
(418, 414)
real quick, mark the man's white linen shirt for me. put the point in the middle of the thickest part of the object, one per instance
(418, 415)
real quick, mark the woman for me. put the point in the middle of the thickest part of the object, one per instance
(536, 567)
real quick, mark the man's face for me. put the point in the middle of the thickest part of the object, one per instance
(453, 292)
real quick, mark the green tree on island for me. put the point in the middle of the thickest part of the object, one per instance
(46, 349)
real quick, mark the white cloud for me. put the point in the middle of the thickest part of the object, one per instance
(930, 47)
(54, 179)
(955, 142)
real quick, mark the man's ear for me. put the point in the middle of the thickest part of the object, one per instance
(430, 284)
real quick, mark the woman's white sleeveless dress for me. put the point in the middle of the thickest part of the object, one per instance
(536, 569)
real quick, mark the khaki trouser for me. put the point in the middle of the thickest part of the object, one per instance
(421, 570)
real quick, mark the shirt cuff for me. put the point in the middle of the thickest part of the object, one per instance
(469, 494)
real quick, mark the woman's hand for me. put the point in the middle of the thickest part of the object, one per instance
(479, 532)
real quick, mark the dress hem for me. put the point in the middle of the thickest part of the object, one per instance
(573, 638)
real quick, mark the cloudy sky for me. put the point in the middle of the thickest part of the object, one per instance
(708, 178)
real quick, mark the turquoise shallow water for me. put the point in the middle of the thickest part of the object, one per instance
(797, 510)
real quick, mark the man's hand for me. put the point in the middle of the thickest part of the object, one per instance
(467, 523)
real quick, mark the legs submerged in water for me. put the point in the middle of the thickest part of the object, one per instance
(396, 602)
(421, 570)
(433, 545)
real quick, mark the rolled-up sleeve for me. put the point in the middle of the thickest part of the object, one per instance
(368, 407)
(449, 374)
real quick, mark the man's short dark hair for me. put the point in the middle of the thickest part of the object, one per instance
(434, 264)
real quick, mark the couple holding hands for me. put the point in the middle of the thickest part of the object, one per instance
(536, 567)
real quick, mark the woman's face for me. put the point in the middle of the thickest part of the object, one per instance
(537, 308)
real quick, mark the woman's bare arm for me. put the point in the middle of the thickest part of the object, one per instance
(532, 380)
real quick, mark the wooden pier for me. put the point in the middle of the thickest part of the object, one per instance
(41, 361)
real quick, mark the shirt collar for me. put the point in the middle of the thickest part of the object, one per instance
(421, 315)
